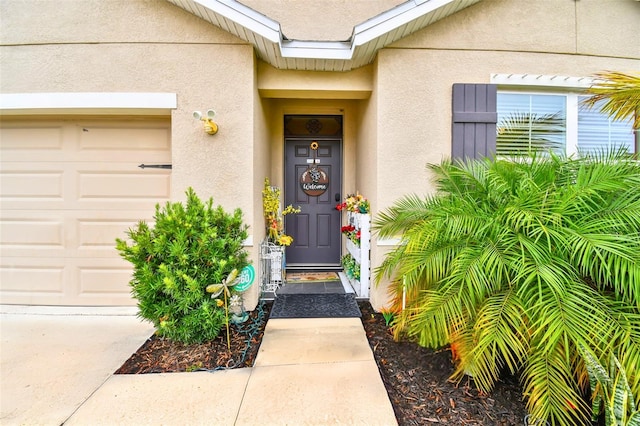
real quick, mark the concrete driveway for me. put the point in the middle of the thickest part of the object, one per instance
(56, 368)
(53, 359)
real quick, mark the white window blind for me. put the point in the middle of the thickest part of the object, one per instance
(539, 122)
(530, 123)
(597, 132)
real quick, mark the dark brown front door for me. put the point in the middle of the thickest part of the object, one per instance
(316, 229)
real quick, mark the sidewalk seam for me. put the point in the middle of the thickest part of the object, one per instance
(86, 399)
(244, 393)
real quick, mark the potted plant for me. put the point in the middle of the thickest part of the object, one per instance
(276, 239)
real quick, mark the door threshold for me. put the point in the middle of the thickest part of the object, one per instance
(312, 268)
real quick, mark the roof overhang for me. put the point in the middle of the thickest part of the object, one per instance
(367, 38)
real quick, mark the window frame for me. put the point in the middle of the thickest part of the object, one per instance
(553, 84)
(572, 110)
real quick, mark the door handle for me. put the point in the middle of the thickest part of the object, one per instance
(337, 196)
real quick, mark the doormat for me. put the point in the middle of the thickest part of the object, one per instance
(301, 277)
(315, 306)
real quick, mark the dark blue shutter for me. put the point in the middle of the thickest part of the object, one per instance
(474, 121)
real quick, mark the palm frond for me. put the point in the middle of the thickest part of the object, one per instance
(523, 133)
(620, 93)
(501, 336)
(549, 395)
(404, 214)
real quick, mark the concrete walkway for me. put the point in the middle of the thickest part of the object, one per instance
(57, 369)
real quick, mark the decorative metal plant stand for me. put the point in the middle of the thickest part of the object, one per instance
(272, 266)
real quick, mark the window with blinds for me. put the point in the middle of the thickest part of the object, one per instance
(597, 132)
(529, 123)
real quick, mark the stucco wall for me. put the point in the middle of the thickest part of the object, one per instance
(103, 21)
(607, 28)
(261, 161)
(147, 46)
(368, 167)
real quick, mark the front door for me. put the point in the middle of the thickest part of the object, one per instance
(313, 171)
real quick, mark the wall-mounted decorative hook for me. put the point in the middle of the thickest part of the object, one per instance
(209, 126)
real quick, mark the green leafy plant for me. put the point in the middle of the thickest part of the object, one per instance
(189, 247)
(194, 367)
(517, 263)
(388, 315)
(611, 393)
(351, 267)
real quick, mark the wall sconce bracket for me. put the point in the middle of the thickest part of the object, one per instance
(210, 126)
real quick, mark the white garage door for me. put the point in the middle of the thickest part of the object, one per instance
(68, 188)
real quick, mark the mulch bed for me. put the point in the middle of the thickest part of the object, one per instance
(416, 378)
(417, 381)
(158, 355)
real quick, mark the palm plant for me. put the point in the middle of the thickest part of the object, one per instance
(516, 264)
(620, 93)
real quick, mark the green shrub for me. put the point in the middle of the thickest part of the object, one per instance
(518, 264)
(188, 248)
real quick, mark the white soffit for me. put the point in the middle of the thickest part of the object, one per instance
(368, 37)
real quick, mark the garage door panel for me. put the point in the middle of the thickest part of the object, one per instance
(100, 234)
(128, 187)
(97, 237)
(96, 137)
(32, 184)
(83, 234)
(136, 143)
(67, 192)
(17, 279)
(19, 231)
(104, 281)
(22, 139)
(35, 185)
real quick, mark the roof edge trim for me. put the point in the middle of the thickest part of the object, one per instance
(394, 18)
(366, 38)
(246, 17)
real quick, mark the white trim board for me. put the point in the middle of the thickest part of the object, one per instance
(542, 81)
(88, 102)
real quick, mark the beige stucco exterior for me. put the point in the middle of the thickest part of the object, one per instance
(397, 110)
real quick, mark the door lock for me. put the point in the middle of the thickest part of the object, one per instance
(337, 196)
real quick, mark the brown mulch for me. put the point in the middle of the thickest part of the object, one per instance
(158, 355)
(416, 378)
(417, 381)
